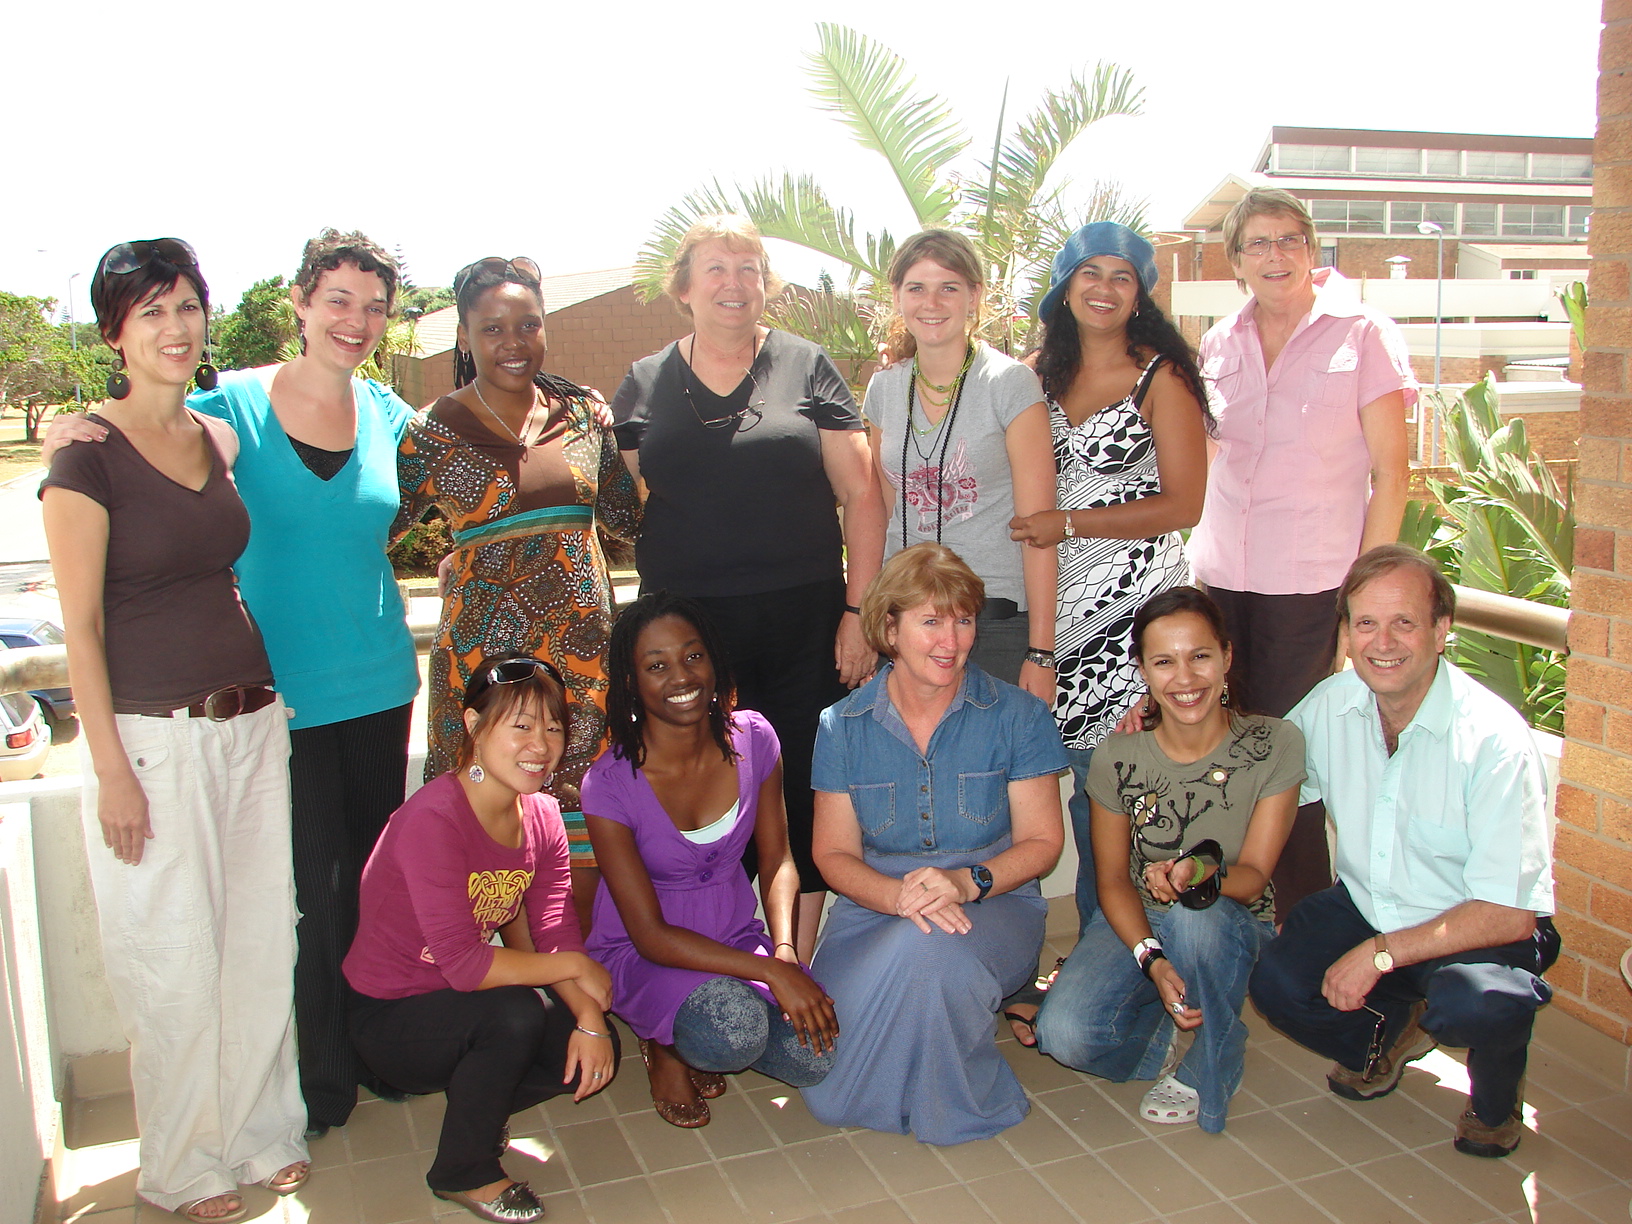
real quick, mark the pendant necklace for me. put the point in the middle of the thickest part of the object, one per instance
(526, 423)
(945, 425)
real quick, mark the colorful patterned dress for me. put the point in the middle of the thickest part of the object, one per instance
(528, 573)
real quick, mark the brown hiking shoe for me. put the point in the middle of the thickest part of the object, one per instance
(1412, 1042)
(1494, 1142)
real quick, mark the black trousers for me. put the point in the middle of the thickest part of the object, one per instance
(494, 1052)
(1484, 999)
(346, 779)
(1284, 646)
(781, 649)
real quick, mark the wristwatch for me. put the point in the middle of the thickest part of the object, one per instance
(1381, 956)
(982, 876)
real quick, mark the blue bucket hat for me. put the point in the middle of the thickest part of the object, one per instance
(1100, 238)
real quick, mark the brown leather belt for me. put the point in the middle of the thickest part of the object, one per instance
(227, 703)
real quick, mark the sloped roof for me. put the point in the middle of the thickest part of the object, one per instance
(435, 333)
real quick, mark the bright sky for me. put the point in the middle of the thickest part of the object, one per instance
(562, 130)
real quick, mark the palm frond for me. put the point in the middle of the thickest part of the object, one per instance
(842, 323)
(868, 86)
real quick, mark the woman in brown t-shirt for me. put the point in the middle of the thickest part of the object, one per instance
(185, 794)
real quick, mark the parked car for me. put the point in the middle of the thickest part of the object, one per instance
(56, 704)
(25, 738)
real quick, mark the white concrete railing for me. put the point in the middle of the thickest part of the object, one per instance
(1413, 298)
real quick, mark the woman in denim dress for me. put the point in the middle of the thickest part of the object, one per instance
(937, 811)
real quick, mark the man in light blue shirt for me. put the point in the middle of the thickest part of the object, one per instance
(1437, 930)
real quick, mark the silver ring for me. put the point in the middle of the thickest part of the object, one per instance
(595, 1075)
(1178, 1009)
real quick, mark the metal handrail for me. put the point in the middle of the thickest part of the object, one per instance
(1519, 620)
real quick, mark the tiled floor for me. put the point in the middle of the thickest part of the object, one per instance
(1292, 1152)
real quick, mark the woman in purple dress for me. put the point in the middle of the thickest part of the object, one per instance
(670, 808)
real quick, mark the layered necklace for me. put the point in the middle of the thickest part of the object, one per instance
(953, 393)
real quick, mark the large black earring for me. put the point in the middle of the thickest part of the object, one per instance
(118, 381)
(206, 376)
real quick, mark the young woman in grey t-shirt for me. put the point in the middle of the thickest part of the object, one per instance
(1188, 820)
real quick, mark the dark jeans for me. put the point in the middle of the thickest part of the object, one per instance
(781, 648)
(1484, 999)
(1284, 646)
(494, 1052)
(345, 780)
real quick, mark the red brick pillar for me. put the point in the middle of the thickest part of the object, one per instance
(1594, 841)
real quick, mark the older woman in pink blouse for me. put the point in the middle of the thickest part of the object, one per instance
(1310, 387)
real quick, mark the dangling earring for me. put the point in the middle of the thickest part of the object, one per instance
(206, 376)
(300, 328)
(1224, 697)
(118, 381)
(549, 778)
(475, 773)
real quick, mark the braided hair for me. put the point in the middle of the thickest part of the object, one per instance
(624, 712)
(1149, 330)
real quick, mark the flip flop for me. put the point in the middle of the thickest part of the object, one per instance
(1014, 1017)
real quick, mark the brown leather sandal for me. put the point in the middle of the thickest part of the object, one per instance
(688, 1115)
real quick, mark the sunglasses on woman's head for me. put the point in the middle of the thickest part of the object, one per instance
(511, 671)
(495, 263)
(127, 257)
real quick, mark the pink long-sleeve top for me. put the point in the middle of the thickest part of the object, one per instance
(1287, 490)
(437, 887)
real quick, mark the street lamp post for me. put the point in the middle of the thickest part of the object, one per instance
(1432, 229)
(73, 341)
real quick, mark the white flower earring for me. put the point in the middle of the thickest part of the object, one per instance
(476, 773)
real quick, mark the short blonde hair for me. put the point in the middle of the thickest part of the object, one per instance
(923, 574)
(737, 232)
(1267, 202)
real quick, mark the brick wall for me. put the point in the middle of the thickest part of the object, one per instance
(1361, 256)
(594, 342)
(1594, 840)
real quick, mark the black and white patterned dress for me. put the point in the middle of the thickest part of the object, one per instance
(1107, 460)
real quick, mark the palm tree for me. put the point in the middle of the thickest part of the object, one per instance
(1009, 209)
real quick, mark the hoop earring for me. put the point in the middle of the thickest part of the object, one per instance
(118, 381)
(549, 778)
(475, 773)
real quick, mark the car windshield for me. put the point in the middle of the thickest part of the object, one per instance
(17, 708)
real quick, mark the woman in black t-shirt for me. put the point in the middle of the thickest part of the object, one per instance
(746, 438)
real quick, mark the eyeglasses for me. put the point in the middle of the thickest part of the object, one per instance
(1259, 247)
(742, 420)
(127, 257)
(495, 263)
(511, 671)
(1374, 1052)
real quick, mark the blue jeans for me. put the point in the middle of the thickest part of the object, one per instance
(1087, 885)
(1484, 999)
(725, 1025)
(1104, 1017)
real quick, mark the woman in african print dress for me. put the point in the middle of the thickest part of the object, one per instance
(520, 465)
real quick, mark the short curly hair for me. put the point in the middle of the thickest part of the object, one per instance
(331, 248)
(738, 233)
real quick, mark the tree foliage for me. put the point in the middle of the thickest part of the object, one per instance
(1501, 524)
(39, 368)
(258, 330)
(1011, 205)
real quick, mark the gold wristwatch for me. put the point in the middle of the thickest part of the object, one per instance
(1381, 956)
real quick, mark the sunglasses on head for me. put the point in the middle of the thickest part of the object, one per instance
(127, 257)
(511, 671)
(495, 263)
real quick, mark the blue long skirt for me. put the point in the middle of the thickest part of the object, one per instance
(916, 1050)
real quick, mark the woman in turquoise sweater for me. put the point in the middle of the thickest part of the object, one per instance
(317, 470)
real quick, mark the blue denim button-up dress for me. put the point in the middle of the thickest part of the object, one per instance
(916, 1051)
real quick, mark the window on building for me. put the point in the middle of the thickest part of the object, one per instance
(1495, 165)
(1478, 219)
(1521, 274)
(1560, 166)
(1387, 161)
(1328, 254)
(1442, 163)
(1532, 221)
(1326, 159)
(1403, 216)
(1348, 216)
(1577, 225)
